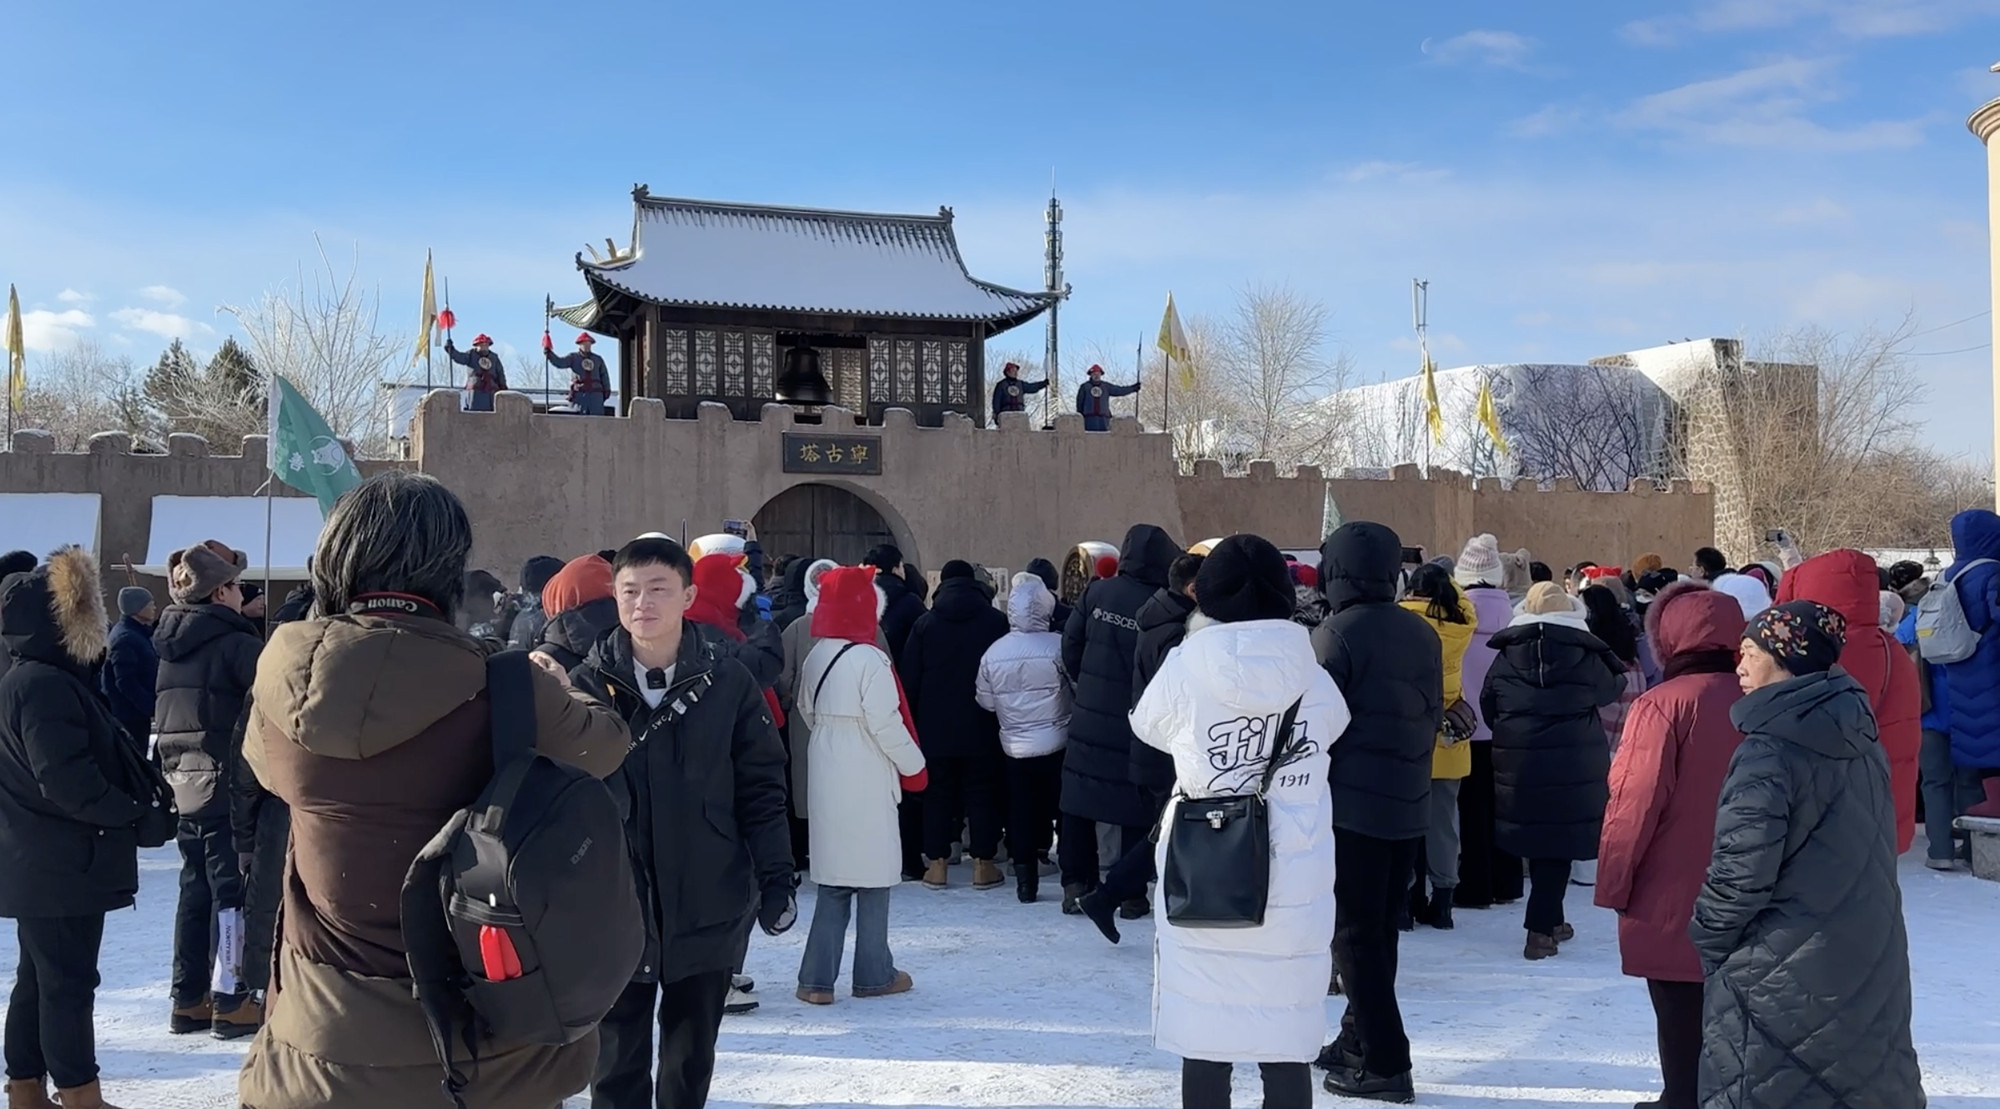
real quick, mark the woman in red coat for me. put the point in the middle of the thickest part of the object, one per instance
(1659, 829)
(1848, 582)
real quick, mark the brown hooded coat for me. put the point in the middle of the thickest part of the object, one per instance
(374, 730)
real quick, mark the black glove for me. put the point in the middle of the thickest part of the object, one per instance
(780, 911)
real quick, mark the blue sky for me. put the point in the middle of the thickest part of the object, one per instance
(1573, 179)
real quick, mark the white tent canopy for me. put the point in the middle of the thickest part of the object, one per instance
(238, 521)
(41, 522)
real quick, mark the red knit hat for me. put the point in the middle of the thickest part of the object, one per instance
(849, 606)
(577, 584)
(1107, 566)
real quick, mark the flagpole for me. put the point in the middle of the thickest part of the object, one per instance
(548, 313)
(270, 490)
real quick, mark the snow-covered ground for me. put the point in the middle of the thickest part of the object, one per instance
(1017, 1005)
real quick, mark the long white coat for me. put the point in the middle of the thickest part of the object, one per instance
(860, 747)
(1248, 995)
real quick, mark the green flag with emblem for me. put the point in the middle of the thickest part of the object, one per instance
(305, 454)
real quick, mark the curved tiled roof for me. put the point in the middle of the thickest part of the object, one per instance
(698, 253)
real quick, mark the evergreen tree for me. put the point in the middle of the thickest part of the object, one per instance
(232, 372)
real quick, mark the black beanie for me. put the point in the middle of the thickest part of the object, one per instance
(1244, 578)
(537, 571)
(1045, 570)
(957, 568)
(885, 557)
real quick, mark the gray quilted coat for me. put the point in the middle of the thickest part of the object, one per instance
(1800, 924)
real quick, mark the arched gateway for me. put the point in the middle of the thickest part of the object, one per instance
(821, 521)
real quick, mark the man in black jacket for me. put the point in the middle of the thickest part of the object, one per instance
(1389, 665)
(208, 660)
(900, 614)
(68, 851)
(132, 666)
(1163, 623)
(1098, 648)
(1046, 570)
(961, 741)
(704, 788)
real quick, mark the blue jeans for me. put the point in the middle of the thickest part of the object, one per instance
(874, 967)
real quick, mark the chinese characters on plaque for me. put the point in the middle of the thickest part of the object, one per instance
(832, 454)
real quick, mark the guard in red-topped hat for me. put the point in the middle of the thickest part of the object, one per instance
(1010, 393)
(484, 375)
(589, 380)
(1093, 399)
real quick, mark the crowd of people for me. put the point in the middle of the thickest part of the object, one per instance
(1731, 759)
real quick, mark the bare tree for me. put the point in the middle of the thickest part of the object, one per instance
(1824, 433)
(1276, 355)
(1593, 427)
(78, 391)
(322, 337)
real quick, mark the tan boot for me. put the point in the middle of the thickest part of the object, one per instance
(187, 1019)
(29, 1093)
(935, 874)
(899, 984)
(83, 1097)
(244, 1020)
(986, 876)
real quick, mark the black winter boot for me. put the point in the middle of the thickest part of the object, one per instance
(1102, 912)
(1027, 884)
(1355, 1082)
(1440, 910)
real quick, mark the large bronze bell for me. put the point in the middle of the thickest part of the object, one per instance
(801, 382)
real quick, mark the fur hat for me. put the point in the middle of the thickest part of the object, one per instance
(65, 596)
(195, 573)
(1514, 573)
(1479, 563)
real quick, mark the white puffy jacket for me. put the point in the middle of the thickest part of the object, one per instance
(1021, 678)
(1248, 994)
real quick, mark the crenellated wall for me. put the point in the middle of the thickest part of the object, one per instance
(127, 484)
(1559, 525)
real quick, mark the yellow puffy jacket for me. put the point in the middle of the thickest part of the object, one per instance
(1454, 761)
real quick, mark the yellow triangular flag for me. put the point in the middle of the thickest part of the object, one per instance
(1489, 417)
(429, 313)
(1433, 415)
(17, 352)
(1172, 339)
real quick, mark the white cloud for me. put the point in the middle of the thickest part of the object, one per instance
(1504, 49)
(71, 296)
(166, 325)
(1552, 119)
(1393, 171)
(1852, 19)
(163, 294)
(1764, 107)
(44, 330)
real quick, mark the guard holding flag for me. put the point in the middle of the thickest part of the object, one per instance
(1010, 393)
(589, 381)
(1093, 399)
(484, 376)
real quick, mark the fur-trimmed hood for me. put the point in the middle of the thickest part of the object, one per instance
(55, 614)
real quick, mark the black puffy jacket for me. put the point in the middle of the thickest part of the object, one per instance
(900, 613)
(1163, 622)
(1389, 665)
(569, 635)
(703, 790)
(1551, 762)
(66, 810)
(940, 668)
(1099, 646)
(208, 660)
(789, 602)
(1800, 923)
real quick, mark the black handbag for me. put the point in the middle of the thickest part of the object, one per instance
(1218, 872)
(158, 818)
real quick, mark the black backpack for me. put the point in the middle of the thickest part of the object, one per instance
(521, 917)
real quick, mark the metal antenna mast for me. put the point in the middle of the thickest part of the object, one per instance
(1052, 275)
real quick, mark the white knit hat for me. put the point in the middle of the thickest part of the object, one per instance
(1479, 563)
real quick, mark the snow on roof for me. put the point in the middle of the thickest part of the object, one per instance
(704, 254)
(39, 523)
(240, 522)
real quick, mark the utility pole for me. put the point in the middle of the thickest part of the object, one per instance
(1420, 319)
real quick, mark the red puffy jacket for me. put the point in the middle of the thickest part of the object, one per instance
(1848, 582)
